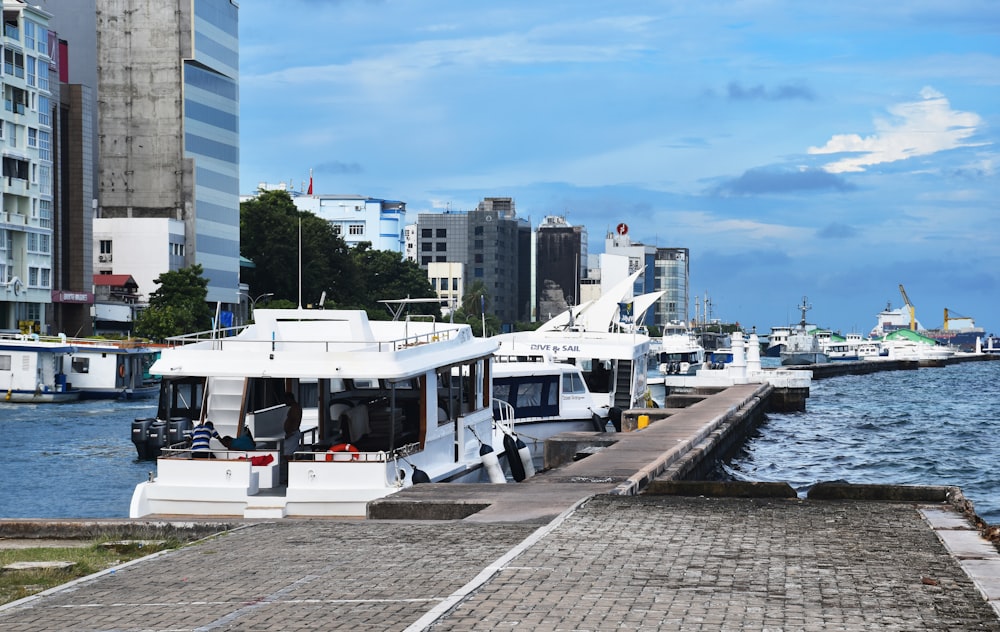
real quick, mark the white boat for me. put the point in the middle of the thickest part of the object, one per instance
(109, 369)
(611, 353)
(33, 371)
(412, 397)
(905, 344)
(679, 351)
(545, 399)
(851, 347)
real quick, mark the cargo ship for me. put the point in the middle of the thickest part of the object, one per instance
(957, 331)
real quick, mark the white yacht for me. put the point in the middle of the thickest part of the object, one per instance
(679, 352)
(386, 404)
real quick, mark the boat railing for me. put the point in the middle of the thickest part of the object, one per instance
(229, 341)
(224, 454)
(503, 415)
(344, 456)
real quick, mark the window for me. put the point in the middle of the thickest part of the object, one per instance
(478, 257)
(46, 277)
(31, 71)
(177, 250)
(426, 233)
(356, 229)
(81, 365)
(14, 168)
(44, 112)
(425, 260)
(105, 246)
(454, 284)
(442, 259)
(4, 363)
(45, 179)
(478, 244)
(29, 35)
(33, 277)
(32, 137)
(478, 273)
(44, 144)
(443, 283)
(478, 230)
(442, 233)
(43, 75)
(13, 62)
(15, 100)
(442, 246)
(426, 246)
(45, 213)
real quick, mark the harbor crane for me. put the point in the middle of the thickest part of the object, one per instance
(909, 305)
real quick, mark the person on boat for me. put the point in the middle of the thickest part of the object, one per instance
(243, 442)
(293, 419)
(201, 438)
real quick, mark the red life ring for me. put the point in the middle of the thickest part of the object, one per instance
(121, 370)
(342, 447)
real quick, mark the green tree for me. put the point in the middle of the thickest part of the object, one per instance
(177, 306)
(384, 275)
(475, 301)
(271, 228)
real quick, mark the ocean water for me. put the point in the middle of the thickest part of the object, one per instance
(932, 426)
(74, 460)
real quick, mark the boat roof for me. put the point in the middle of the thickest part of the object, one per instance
(306, 343)
(575, 344)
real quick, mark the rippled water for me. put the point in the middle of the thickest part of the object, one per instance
(933, 426)
(72, 460)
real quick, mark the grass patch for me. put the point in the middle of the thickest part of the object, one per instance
(99, 555)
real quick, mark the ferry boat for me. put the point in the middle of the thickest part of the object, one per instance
(33, 371)
(386, 404)
(112, 369)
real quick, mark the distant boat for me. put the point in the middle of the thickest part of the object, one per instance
(802, 346)
(112, 369)
(680, 351)
(32, 371)
(957, 331)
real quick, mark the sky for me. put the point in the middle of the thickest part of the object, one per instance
(833, 151)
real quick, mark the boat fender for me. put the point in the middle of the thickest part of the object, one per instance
(342, 447)
(600, 423)
(513, 458)
(492, 464)
(419, 476)
(525, 454)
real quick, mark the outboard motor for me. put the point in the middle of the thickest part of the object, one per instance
(179, 430)
(140, 436)
(157, 438)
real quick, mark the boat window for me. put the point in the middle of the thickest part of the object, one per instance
(573, 383)
(4, 363)
(531, 396)
(368, 383)
(81, 365)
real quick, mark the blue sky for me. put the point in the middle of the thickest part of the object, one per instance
(829, 150)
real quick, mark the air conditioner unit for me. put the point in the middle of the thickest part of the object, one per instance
(104, 258)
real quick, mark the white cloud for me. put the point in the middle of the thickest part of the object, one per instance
(917, 128)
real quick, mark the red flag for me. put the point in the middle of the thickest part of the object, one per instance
(310, 192)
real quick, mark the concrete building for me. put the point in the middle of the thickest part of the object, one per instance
(356, 218)
(168, 78)
(560, 265)
(26, 137)
(666, 269)
(489, 241)
(448, 280)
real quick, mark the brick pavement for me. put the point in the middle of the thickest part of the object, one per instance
(635, 563)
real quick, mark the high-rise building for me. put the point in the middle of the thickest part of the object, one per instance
(560, 265)
(488, 241)
(26, 138)
(672, 276)
(168, 73)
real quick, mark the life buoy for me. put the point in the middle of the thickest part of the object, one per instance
(121, 370)
(342, 447)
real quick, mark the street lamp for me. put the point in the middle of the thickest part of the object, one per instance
(253, 301)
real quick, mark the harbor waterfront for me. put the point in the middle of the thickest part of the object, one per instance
(931, 426)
